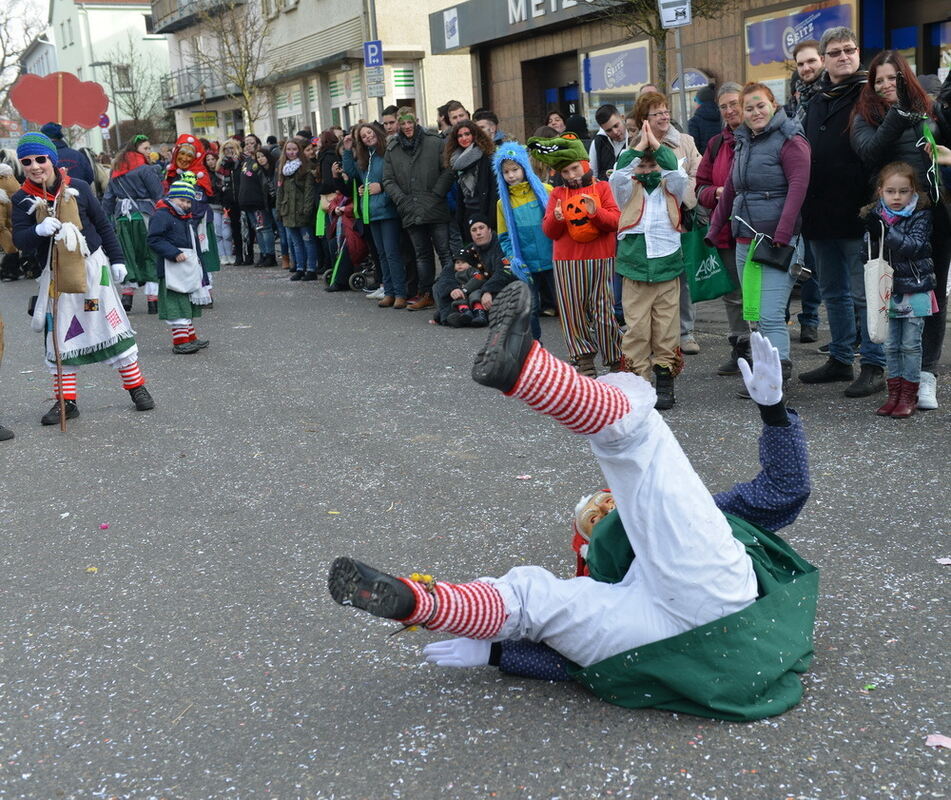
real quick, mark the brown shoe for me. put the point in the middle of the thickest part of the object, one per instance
(399, 302)
(425, 301)
(387, 301)
(285, 262)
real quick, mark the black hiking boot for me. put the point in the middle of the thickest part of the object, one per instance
(142, 399)
(353, 583)
(830, 372)
(499, 362)
(871, 380)
(51, 417)
(665, 388)
(153, 306)
(127, 302)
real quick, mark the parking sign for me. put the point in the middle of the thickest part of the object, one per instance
(373, 54)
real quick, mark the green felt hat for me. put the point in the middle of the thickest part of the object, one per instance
(557, 152)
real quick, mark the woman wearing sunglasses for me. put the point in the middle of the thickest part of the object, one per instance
(888, 124)
(90, 326)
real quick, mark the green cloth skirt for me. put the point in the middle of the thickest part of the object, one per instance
(133, 239)
(175, 305)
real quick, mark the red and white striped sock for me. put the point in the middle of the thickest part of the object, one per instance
(474, 610)
(128, 291)
(179, 334)
(151, 298)
(131, 376)
(68, 386)
(555, 388)
(192, 336)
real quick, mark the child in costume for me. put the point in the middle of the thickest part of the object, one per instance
(172, 237)
(54, 211)
(649, 186)
(133, 190)
(188, 163)
(523, 199)
(692, 603)
(581, 219)
(902, 215)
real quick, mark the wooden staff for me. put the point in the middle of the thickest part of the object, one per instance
(53, 264)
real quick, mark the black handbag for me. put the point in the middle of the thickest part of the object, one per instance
(770, 254)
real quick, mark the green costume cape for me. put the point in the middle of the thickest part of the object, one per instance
(742, 667)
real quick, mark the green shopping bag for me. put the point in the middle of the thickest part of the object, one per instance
(707, 278)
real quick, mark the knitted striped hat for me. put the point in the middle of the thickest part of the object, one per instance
(37, 144)
(182, 189)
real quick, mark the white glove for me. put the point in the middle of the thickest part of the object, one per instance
(458, 653)
(765, 381)
(48, 227)
(119, 272)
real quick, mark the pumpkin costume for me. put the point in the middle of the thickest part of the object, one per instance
(584, 244)
(691, 602)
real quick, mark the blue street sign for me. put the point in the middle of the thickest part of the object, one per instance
(373, 54)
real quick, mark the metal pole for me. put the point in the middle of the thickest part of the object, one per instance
(683, 78)
(371, 14)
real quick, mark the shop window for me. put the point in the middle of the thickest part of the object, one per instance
(613, 75)
(905, 41)
(939, 39)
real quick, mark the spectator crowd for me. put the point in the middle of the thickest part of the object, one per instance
(612, 231)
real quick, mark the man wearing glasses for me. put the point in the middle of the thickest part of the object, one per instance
(838, 188)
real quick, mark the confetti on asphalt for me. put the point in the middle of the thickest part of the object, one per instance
(103, 526)
(333, 512)
(938, 740)
(944, 562)
(92, 570)
(64, 515)
(523, 477)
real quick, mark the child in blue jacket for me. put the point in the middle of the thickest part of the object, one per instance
(178, 260)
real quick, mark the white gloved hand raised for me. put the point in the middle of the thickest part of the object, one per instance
(119, 272)
(48, 227)
(764, 381)
(458, 653)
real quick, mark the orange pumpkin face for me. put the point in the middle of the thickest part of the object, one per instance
(580, 226)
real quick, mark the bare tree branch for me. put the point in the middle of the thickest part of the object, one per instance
(641, 19)
(135, 82)
(21, 21)
(237, 54)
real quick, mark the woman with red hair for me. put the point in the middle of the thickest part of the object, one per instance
(888, 124)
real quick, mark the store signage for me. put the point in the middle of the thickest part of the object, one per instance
(204, 119)
(477, 21)
(771, 39)
(674, 13)
(616, 70)
(695, 80)
(373, 54)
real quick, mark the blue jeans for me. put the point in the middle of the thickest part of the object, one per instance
(774, 295)
(903, 348)
(840, 264)
(265, 235)
(304, 256)
(281, 231)
(809, 295)
(386, 237)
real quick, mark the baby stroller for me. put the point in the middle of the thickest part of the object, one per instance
(347, 248)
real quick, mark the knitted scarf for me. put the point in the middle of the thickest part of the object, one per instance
(35, 190)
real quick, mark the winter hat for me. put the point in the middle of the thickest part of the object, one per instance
(474, 218)
(469, 256)
(37, 144)
(559, 152)
(182, 189)
(705, 95)
(577, 125)
(52, 129)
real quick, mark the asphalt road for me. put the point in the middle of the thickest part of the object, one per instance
(190, 649)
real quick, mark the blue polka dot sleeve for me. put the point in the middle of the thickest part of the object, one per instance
(532, 660)
(774, 498)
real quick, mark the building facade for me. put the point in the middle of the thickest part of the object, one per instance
(314, 75)
(86, 35)
(536, 55)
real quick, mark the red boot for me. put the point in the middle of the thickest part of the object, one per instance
(907, 400)
(894, 392)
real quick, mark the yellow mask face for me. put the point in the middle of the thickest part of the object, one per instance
(598, 506)
(185, 156)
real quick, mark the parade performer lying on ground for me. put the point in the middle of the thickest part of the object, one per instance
(54, 211)
(713, 616)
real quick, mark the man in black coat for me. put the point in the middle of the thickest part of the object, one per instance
(838, 188)
(76, 164)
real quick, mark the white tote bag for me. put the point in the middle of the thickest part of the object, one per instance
(878, 291)
(184, 276)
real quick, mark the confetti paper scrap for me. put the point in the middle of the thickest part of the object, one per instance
(92, 570)
(239, 327)
(870, 687)
(333, 512)
(523, 477)
(938, 740)
(944, 562)
(103, 526)
(64, 515)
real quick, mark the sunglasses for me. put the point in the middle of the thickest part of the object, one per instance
(849, 51)
(26, 162)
